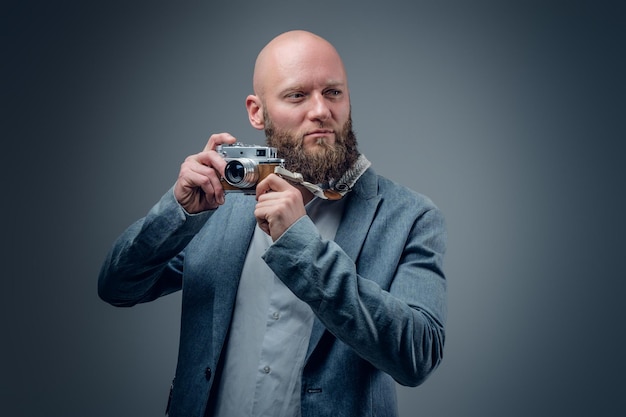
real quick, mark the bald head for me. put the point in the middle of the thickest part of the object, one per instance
(288, 54)
(301, 100)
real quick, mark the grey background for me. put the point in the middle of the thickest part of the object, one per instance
(509, 115)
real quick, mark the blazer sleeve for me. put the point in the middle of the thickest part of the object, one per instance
(390, 305)
(146, 261)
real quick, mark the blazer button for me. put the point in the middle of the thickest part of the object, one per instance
(207, 373)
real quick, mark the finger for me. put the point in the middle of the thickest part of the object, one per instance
(201, 164)
(208, 179)
(261, 213)
(271, 183)
(219, 139)
(264, 225)
(194, 175)
(212, 160)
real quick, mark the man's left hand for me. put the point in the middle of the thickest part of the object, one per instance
(279, 205)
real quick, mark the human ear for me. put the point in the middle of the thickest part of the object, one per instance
(255, 112)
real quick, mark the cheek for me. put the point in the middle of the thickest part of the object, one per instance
(286, 119)
(344, 113)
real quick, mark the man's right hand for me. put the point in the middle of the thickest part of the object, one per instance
(198, 187)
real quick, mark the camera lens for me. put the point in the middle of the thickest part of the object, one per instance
(236, 172)
(241, 173)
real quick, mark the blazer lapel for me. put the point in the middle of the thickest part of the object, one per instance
(357, 218)
(235, 234)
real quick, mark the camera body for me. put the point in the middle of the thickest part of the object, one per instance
(246, 165)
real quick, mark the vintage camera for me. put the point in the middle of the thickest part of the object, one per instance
(246, 165)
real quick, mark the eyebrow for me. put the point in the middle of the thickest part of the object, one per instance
(299, 87)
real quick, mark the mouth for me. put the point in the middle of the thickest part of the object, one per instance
(320, 132)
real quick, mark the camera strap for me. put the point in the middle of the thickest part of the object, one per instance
(297, 178)
(338, 189)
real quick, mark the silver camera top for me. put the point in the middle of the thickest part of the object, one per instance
(240, 150)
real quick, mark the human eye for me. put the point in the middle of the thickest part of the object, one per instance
(294, 96)
(333, 93)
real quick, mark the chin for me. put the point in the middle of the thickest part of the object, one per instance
(318, 148)
(321, 142)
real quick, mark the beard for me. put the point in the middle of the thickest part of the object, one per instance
(320, 165)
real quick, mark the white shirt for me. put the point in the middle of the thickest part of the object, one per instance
(269, 334)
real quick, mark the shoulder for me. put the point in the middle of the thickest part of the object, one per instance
(391, 193)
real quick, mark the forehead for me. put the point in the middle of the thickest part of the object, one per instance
(303, 65)
(307, 72)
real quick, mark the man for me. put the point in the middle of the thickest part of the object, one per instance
(293, 304)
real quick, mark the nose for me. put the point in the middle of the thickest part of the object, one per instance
(320, 111)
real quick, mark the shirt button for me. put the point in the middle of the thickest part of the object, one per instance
(266, 369)
(207, 373)
(276, 315)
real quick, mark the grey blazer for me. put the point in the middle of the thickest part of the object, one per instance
(378, 292)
